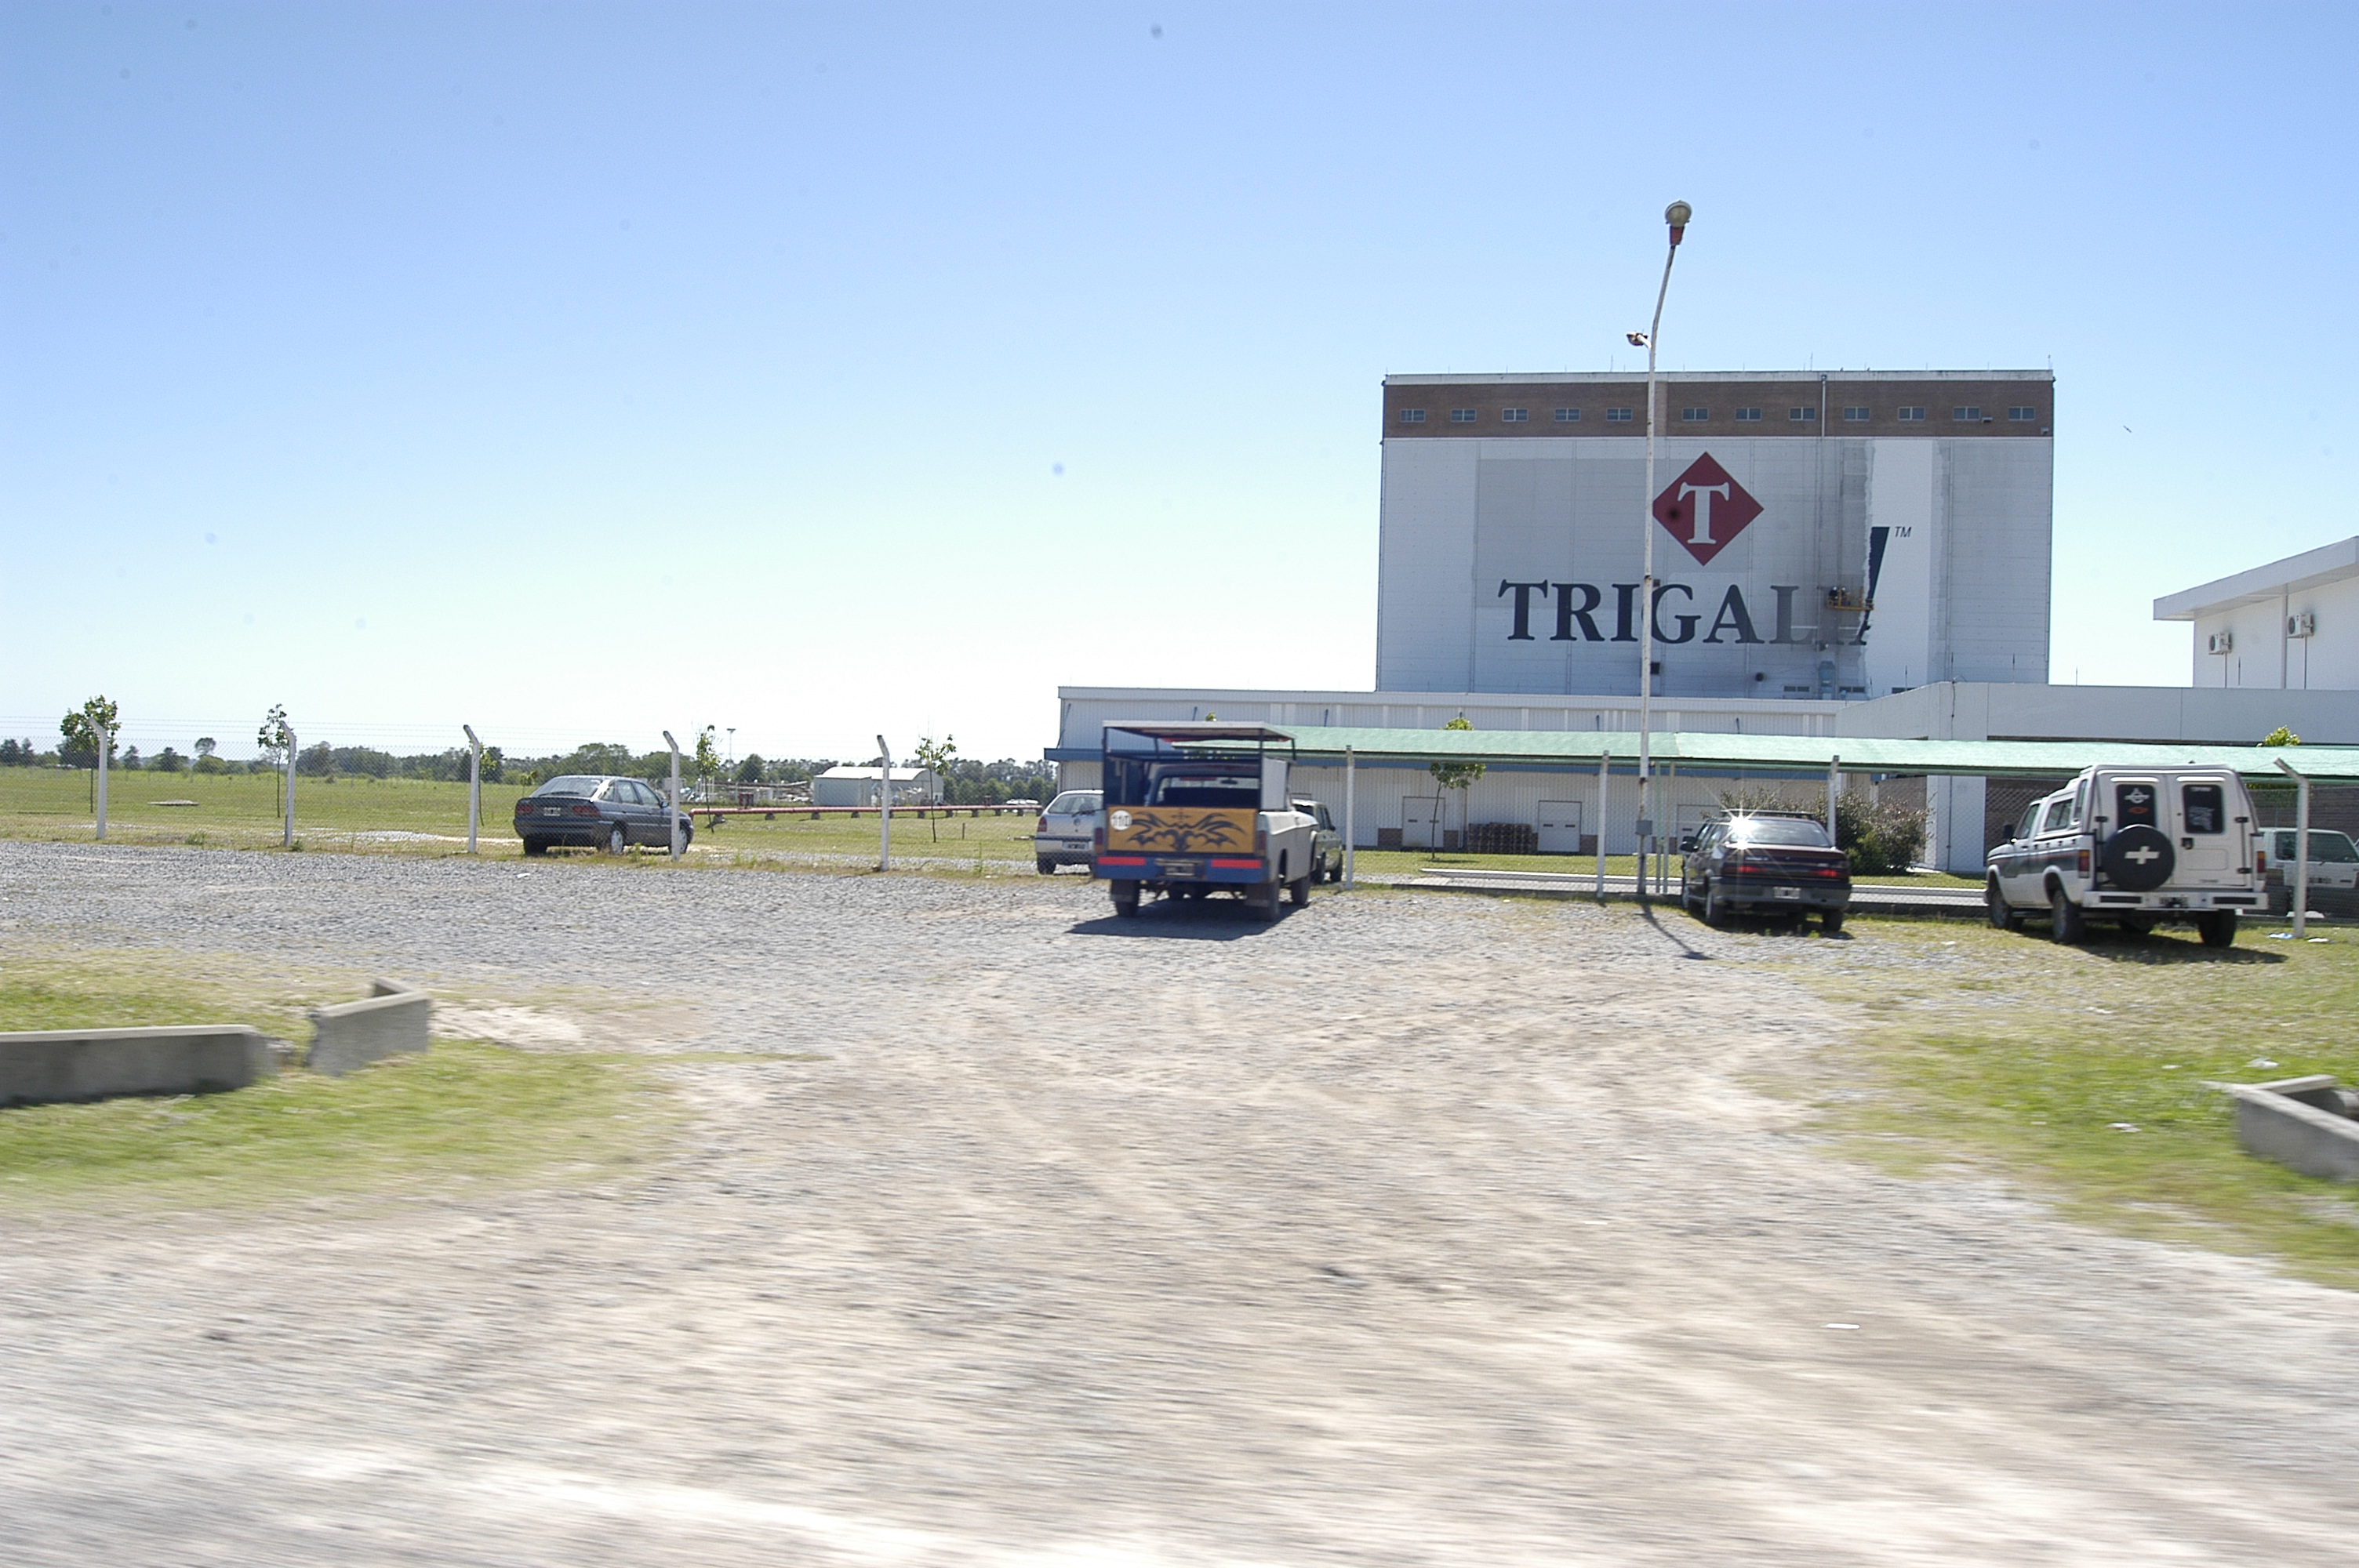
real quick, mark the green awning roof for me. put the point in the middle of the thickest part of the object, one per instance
(1794, 753)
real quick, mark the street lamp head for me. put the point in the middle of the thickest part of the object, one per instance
(1638, 339)
(1677, 215)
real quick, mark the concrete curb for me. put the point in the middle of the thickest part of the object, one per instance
(2284, 1121)
(47, 1065)
(391, 1021)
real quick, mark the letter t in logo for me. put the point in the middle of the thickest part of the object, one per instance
(1703, 494)
(1710, 529)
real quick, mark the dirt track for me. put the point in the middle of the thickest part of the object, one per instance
(1413, 1229)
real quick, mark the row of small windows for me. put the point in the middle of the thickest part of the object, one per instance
(1749, 415)
(1963, 413)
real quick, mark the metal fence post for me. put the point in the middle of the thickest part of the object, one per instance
(2301, 848)
(671, 817)
(105, 743)
(884, 810)
(474, 785)
(1351, 821)
(1604, 785)
(1834, 788)
(287, 835)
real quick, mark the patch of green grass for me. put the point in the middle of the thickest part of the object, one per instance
(460, 1114)
(427, 816)
(135, 987)
(242, 810)
(2011, 1051)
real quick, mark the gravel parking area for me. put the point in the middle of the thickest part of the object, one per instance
(1412, 1229)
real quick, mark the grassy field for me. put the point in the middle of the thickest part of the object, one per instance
(414, 816)
(427, 816)
(461, 1114)
(2080, 1070)
(241, 810)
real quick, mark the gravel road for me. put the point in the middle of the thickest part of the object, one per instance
(1412, 1229)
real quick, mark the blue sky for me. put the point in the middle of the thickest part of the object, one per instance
(587, 369)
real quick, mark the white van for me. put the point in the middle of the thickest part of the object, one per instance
(2334, 870)
(2140, 847)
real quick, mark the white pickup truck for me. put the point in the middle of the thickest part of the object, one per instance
(2140, 847)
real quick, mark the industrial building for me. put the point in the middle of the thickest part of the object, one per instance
(1840, 553)
(1831, 536)
(2292, 625)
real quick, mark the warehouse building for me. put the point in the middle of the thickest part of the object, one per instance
(1818, 536)
(1567, 806)
(1840, 553)
(860, 787)
(2292, 625)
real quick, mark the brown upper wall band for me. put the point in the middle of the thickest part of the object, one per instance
(1491, 404)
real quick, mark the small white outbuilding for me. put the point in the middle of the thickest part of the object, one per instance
(858, 786)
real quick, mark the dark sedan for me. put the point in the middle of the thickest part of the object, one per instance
(1779, 864)
(598, 810)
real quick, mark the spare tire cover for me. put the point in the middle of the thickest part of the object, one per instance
(2138, 859)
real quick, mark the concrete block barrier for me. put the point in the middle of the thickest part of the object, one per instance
(46, 1065)
(391, 1021)
(2287, 1122)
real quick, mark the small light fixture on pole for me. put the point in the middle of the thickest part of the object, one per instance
(474, 785)
(1676, 215)
(885, 808)
(671, 814)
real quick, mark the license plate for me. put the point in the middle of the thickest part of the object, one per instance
(1786, 892)
(1077, 844)
(553, 811)
(1179, 869)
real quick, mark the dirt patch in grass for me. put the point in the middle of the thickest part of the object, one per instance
(2080, 1071)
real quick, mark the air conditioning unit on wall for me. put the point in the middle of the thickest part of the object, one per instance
(2302, 625)
(2221, 643)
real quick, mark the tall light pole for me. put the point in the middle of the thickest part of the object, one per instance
(1677, 215)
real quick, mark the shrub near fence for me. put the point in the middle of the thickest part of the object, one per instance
(1503, 839)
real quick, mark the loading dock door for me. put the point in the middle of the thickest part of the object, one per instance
(1420, 827)
(1560, 828)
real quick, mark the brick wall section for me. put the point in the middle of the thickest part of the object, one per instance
(1774, 398)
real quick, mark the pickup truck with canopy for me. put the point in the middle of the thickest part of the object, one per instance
(1195, 807)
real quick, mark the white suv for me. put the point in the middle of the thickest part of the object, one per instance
(1067, 832)
(2135, 845)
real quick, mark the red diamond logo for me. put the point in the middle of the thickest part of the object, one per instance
(1704, 509)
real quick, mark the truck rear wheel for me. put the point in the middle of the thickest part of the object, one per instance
(1261, 901)
(2064, 920)
(1297, 891)
(1126, 898)
(2218, 928)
